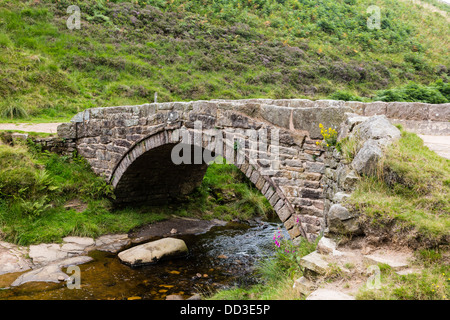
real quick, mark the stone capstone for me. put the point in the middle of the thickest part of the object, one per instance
(152, 252)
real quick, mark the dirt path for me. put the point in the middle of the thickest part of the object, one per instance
(31, 127)
(439, 144)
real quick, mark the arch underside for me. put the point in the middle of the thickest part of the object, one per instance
(154, 179)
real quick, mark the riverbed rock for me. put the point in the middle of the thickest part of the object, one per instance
(50, 273)
(152, 252)
(45, 253)
(13, 258)
(112, 242)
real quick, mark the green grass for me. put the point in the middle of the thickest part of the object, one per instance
(190, 50)
(411, 190)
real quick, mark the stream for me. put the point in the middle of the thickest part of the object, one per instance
(223, 257)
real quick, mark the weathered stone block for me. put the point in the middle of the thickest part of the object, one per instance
(67, 131)
(279, 116)
(365, 161)
(304, 286)
(439, 112)
(407, 110)
(377, 127)
(375, 108)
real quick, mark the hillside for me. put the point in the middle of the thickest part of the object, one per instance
(190, 50)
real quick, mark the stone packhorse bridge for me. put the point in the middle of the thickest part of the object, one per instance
(133, 148)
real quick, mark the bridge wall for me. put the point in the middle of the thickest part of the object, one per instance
(121, 144)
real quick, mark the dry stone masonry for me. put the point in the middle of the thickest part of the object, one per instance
(131, 147)
(371, 135)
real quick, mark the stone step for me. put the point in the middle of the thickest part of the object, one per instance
(315, 262)
(326, 294)
(397, 263)
(304, 286)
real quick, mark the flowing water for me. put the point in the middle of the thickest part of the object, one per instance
(223, 257)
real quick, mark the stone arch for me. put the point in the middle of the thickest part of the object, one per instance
(134, 179)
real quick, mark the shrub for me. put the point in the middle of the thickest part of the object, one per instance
(434, 93)
(344, 95)
(12, 112)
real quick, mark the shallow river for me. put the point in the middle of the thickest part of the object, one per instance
(223, 257)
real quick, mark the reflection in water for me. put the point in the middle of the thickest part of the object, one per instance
(222, 257)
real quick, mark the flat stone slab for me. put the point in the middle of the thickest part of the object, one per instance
(46, 253)
(396, 262)
(325, 294)
(13, 258)
(51, 272)
(112, 243)
(315, 262)
(81, 241)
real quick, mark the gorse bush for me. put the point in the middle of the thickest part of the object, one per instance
(329, 137)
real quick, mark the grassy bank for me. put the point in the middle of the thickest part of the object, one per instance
(409, 199)
(45, 197)
(190, 50)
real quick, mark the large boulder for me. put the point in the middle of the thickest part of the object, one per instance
(366, 160)
(340, 220)
(377, 128)
(374, 134)
(152, 252)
